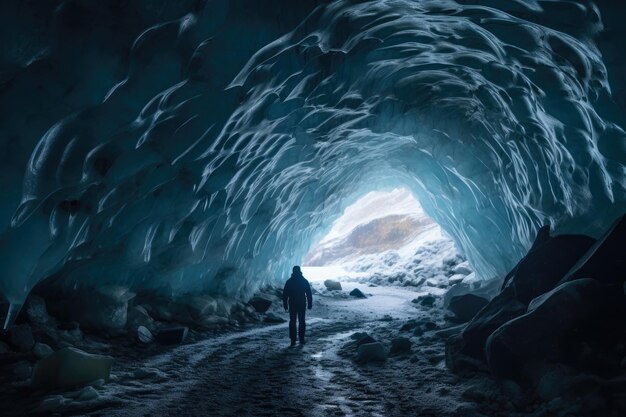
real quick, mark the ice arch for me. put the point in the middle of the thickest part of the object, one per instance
(238, 134)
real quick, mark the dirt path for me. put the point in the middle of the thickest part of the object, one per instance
(255, 373)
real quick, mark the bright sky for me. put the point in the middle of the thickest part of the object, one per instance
(372, 206)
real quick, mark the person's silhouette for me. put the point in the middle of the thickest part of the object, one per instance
(296, 297)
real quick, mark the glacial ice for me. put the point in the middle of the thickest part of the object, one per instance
(183, 147)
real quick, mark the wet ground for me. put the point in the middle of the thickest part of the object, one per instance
(254, 372)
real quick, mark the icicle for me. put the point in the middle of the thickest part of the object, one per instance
(14, 310)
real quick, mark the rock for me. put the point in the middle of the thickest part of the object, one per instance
(260, 304)
(180, 313)
(559, 328)
(87, 394)
(604, 258)
(365, 340)
(70, 367)
(104, 308)
(199, 305)
(138, 317)
(400, 345)
(371, 352)
(273, 318)
(425, 300)
(21, 336)
(172, 336)
(408, 326)
(462, 269)
(144, 335)
(466, 306)
(545, 265)
(41, 350)
(22, 370)
(4, 348)
(357, 293)
(52, 403)
(332, 285)
(538, 272)
(455, 279)
(450, 331)
(36, 311)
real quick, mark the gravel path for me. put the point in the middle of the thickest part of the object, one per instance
(253, 372)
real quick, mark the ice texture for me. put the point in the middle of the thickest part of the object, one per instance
(189, 145)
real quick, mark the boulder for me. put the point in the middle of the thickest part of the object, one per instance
(425, 300)
(465, 307)
(365, 340)
(456, 279)
(332, 285)
(260, 304)
(357, 293)
(144, 335)
(560, 327)
(104, 308)
(138, 317)
(70, 367)
(21, 336)
(41, 350)
(400, 345)
(604, 261)
(538, 272)
(371, 352)
(172, 336)
(408, 326)
(87, 394)
(199, 305)
(462, 269)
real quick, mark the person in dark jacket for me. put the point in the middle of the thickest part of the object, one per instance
(296, 297)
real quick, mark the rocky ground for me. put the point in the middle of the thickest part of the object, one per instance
(253, 372)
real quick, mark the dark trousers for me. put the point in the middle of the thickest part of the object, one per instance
(297, 312)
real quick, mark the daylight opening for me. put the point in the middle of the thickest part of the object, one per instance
(386, 237)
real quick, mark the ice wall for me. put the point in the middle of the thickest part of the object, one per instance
(205, 145)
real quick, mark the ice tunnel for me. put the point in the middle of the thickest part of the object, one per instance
(206, 145)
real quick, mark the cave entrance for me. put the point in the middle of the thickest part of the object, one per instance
(384, 236)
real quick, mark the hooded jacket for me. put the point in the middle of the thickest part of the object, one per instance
(297, 292)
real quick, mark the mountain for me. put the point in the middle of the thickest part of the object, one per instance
(378, 235)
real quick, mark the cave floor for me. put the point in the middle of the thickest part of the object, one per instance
(253, 372)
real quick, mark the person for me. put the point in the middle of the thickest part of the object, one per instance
(296, 297)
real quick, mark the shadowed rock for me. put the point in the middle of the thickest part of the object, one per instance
(465, 307)
(371, 352)
(260, 304)
(357, 293)
(579, 323)
(539, 271)
(172, 336)
(332, 285)
(70, 367)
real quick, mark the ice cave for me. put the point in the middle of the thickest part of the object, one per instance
(450, 174)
